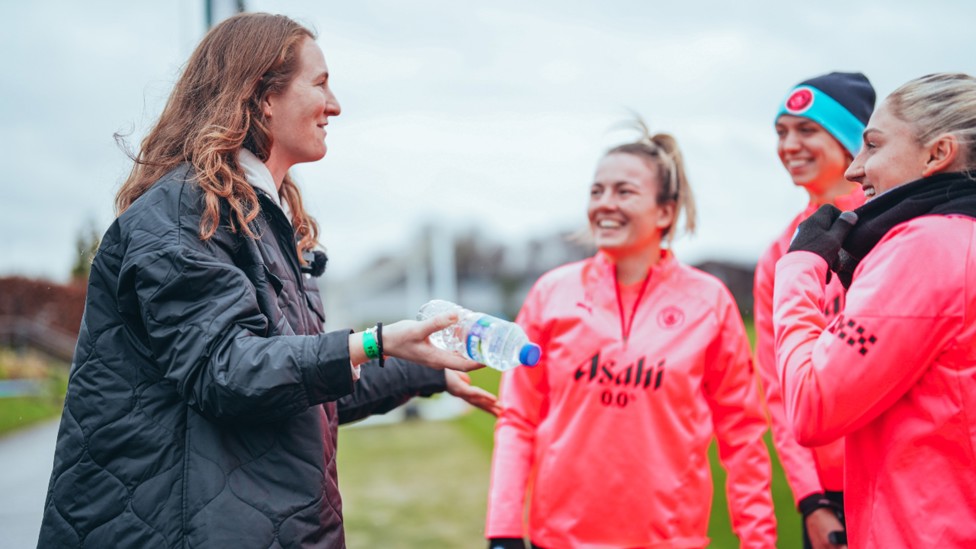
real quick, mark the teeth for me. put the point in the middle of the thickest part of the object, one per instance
(869, 192)
(608, 224)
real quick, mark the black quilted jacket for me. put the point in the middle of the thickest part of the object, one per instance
(201, 407)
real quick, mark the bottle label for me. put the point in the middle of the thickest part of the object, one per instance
(476, 336)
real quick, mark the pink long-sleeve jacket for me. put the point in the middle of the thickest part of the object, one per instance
(808, 470)
(894, 373)
(609, 433)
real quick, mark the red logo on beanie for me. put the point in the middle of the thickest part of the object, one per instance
(800, 100)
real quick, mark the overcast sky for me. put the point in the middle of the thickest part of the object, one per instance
(476, 114)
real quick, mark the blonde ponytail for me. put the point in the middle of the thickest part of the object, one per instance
(662, 151)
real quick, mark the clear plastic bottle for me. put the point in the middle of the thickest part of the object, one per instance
(494, 342)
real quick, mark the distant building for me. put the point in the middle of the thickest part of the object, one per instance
(41, 315)
(489, 277)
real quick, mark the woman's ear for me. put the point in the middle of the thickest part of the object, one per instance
(666, 214)
(943, 155)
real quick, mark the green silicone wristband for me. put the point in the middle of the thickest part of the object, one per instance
(370, 347)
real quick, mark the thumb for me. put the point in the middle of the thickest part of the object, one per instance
(843, 225)
(439, 322)
(848, 217)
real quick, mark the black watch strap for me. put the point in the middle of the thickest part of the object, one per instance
(813, 502)
(506, 543)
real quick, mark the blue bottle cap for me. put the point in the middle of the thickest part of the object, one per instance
(529, 354)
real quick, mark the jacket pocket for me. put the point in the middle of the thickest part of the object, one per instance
(314, 300)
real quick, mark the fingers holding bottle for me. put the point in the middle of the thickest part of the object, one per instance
(409, 340)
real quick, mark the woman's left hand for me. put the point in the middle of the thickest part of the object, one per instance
(823, 233)
(459, 385)
(408, 339)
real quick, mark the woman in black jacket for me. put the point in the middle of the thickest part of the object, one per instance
(204, 397)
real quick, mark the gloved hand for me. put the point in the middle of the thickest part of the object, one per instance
(823, 233)
(846, 264)
(506, 543)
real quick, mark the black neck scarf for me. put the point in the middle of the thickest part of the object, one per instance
(940, 194)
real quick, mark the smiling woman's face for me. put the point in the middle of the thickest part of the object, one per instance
(813, 157)
(625, 217)
(297, 117)
(890, 156)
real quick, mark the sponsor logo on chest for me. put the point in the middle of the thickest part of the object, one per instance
(622, 382)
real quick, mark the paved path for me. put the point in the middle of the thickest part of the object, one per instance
(25, 468)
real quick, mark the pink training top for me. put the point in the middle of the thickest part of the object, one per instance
(808, 470)
(895, 373)
(609, 433)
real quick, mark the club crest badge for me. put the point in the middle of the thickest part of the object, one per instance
(671, 317)
(800, 100)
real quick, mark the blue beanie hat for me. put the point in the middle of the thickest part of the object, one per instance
(841, 102)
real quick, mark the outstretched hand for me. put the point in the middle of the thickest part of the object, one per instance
(459, 385)
(408, 339)
(823, 233)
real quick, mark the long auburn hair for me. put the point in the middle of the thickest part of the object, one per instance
(214, 110)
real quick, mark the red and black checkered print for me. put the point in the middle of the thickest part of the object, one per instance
(852, 333)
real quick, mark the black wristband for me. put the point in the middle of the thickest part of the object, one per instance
(813, 502)
(506, 543)
(379, 341)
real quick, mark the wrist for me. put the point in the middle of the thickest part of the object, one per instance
(357, 355)
(367, 345)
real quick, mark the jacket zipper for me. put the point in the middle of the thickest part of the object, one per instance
(625, 326)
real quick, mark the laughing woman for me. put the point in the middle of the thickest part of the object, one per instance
(895, 371)
(645, 360)
(819, 127)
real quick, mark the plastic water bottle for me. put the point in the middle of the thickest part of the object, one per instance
(494, 342)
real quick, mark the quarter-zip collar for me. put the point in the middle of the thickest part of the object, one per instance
(602, 284)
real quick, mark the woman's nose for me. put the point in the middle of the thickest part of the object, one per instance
(790, 142)
(855, 172)
(332, 107)
(603, 200)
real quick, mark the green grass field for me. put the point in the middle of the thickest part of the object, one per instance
(424, 484)
(18, 412)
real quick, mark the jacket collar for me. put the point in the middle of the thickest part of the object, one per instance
(940, 194)
(258, 175)
(606, 269)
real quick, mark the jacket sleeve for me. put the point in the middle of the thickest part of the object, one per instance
(380, 390)
(202, 325)
(524, 398)
(798, 462)
(733, 395)
(896, 321)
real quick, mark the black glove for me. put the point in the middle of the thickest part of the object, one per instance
(846, 264)
(823, 233)
(506, 543)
